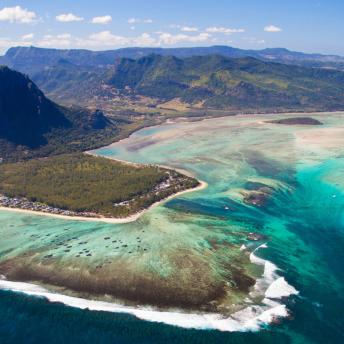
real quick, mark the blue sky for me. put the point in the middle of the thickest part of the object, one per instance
(303, 25)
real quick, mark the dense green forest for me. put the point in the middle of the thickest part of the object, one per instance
(85, 183)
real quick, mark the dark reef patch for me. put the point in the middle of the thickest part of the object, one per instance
(296, 121)
(193, 284)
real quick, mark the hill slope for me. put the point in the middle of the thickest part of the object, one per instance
(220, 82)
(67, 81)
(33, 125)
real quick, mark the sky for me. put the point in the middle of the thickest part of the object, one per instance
(300, 25)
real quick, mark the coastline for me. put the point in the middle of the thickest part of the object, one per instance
(135, 164)
(127, 219)
(242, 321)
(202, 185)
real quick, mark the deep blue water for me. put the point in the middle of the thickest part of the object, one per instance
(27, 320)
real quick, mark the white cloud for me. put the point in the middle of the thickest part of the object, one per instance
(169, 39)
(68, 17)
(132, 21)
(101, 20)
(225, 30)
(106, 38)
(56, 41)
(189, 29)
(17, 15)
(6, 43)
(144, 40)
(28, 36)
(272, 28)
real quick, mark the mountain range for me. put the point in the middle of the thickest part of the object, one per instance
(247, 81)
(28, 59)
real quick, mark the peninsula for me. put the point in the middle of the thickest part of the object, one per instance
(81, 185)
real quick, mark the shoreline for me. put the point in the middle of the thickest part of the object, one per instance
(137, 164)
(114, 220)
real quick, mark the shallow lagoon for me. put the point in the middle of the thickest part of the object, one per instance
(301, 218)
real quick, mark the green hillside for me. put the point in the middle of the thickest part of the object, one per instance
(65, 81)
(220, 82)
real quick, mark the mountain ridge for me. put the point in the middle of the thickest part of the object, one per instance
(34, 55)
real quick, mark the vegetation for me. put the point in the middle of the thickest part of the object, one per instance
(65, 81)
(32, 126)
(84, 183)
(242, 83)
(209, 78)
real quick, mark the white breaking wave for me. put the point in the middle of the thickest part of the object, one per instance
(271, 285)
(250, 318)
(280, 288)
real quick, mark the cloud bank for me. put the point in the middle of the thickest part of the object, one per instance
(101, 20)
(68, 18)
(17, 15)
(272, 28)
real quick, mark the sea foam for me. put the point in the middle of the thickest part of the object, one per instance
(271, 285)
(280, 288)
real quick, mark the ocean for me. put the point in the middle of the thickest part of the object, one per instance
(283, 183)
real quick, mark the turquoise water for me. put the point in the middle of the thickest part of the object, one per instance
(301, 220)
